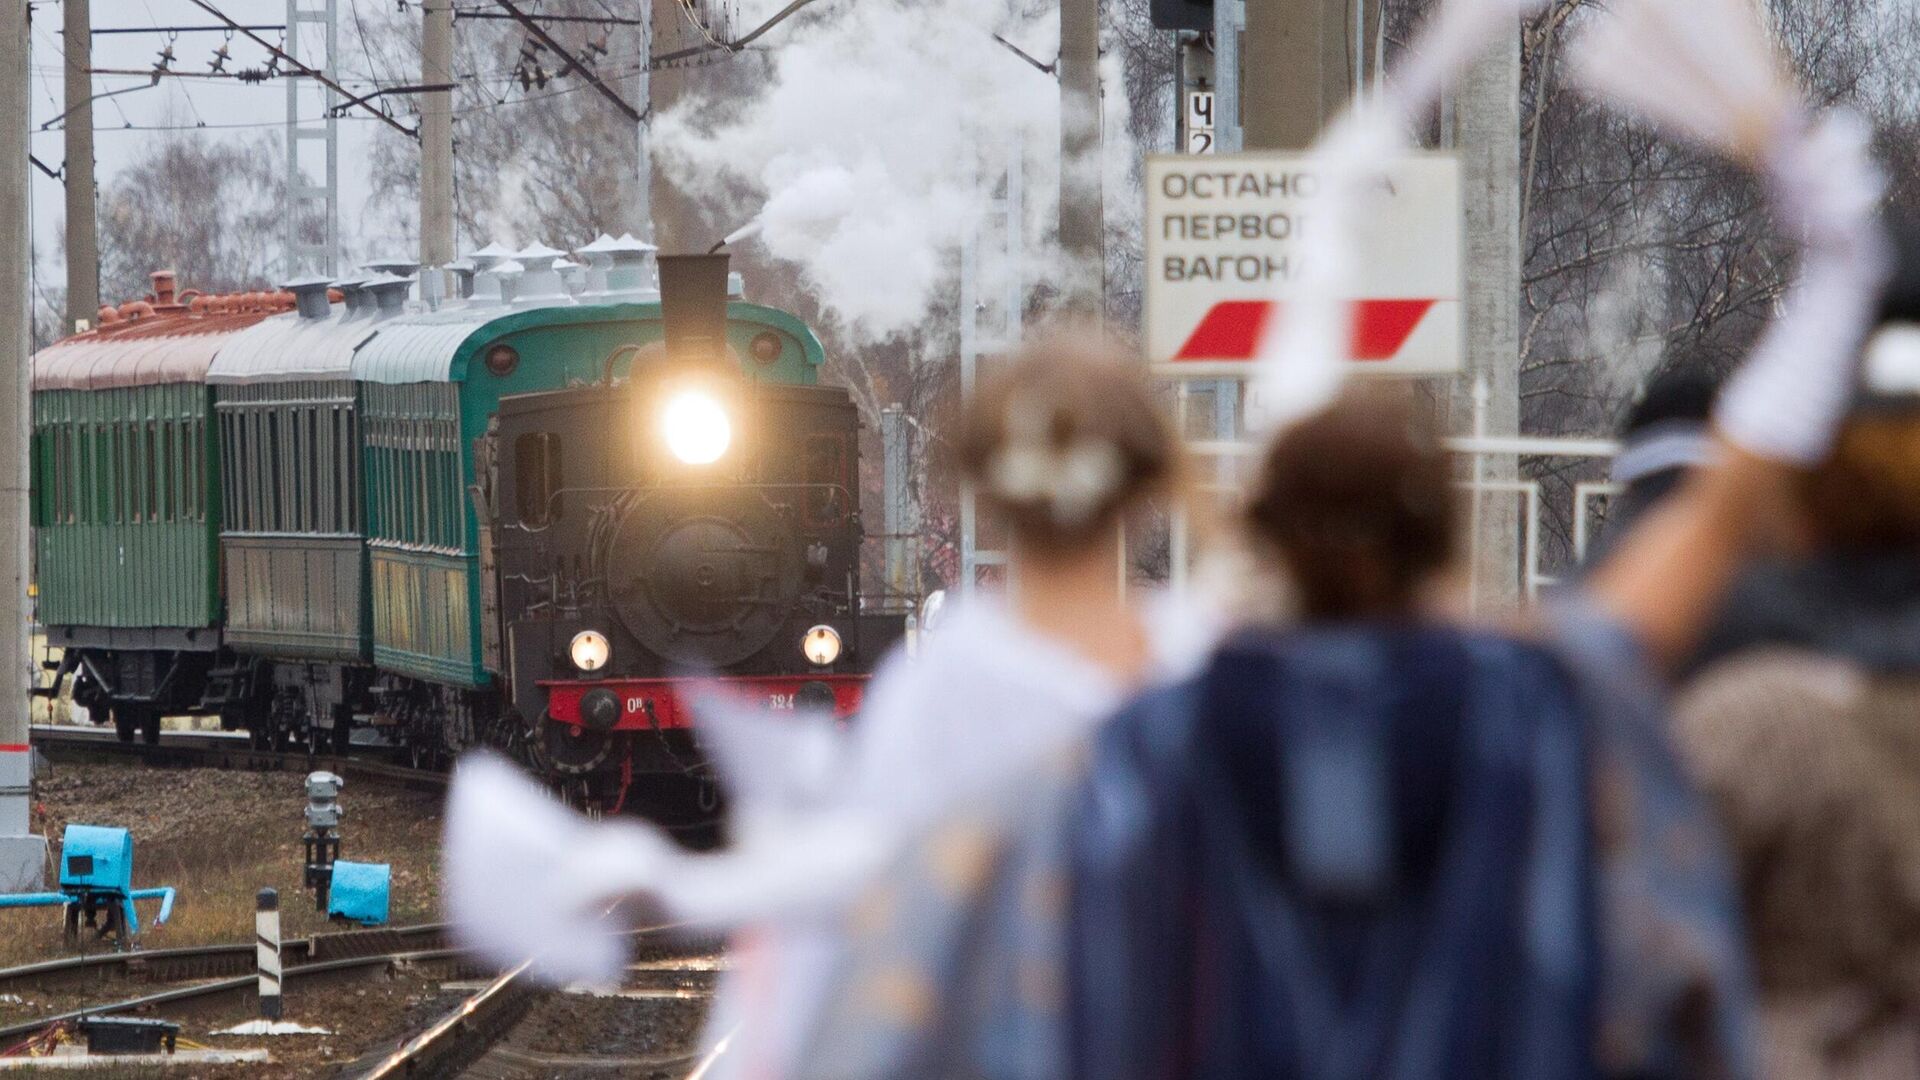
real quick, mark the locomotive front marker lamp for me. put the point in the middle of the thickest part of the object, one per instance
(696, 427)
(589, 650)
(821, 645)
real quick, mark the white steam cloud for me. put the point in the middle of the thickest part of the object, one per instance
(861, 157)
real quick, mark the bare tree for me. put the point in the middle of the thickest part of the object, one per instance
(538, 153)
(210, 210)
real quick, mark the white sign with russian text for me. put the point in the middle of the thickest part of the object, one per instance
(1223, 244)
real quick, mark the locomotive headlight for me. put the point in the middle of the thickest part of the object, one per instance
(590, 650)
(822, 645)
(696, 427)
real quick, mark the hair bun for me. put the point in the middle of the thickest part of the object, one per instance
(1063, 441)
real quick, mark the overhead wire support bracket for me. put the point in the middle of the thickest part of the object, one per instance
(1044, 69)
(421, 88)
(303, 69)
(111, 93)
(573, 64)
(729, 47)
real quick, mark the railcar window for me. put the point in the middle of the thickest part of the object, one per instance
(169, 482)
(342, 473)
(152, 469)
(123, 476)
(826, 479)
(537, 478)
(196, 470)
(39, 488)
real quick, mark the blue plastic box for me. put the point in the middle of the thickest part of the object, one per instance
(359, 892)
(97, 857)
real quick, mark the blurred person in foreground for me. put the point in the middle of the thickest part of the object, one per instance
(1666, 433)
(1807, 735)
(1064, 446)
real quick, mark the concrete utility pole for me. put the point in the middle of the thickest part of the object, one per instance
(641, 95)
(83, 241)
(1487, 137)
(436, 135)
(23, 856)
(1296, 71)
(1082, 215)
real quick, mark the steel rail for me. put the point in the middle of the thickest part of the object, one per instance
(425, 1053)
(222, 751)
(131, 962)
(237, 984)
(467, 1032)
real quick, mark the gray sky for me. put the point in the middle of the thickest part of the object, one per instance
(228, 108)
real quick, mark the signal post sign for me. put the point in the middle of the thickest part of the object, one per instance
(1223, 245)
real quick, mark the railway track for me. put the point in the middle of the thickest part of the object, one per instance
(318, 957)
(220, 750)
(470, 1040)
(213, 961)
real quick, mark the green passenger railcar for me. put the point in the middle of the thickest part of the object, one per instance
(294, 536)
(125, 525)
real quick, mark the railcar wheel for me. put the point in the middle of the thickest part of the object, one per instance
(123, 724)
(150, 727)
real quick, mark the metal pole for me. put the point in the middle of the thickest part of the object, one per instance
(902, 518)
(1487, 133)
(83, 246)
(23, 857)
(1081, 213)
(969, 364)
(266, 926)
(1229, 29)
(437, 238)
(643, 97)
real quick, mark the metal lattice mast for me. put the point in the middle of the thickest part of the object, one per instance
(313, 38)
(976, 341)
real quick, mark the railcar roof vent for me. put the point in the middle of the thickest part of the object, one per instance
(310, 296)
(354, 295)
(539, 282)
(490, 256)
(629, 269)
(598, 260)
(496, 284)
(572, 275)
(163, 287)
(398, 267)
(389, 293)
(462, 271)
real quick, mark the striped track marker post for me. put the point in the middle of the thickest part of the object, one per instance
(267, 951)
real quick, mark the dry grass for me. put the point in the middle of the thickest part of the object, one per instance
(218, 838)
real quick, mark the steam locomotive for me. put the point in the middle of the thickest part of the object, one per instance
(531, 516)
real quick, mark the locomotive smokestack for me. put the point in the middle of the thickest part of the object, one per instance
(693, 306)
